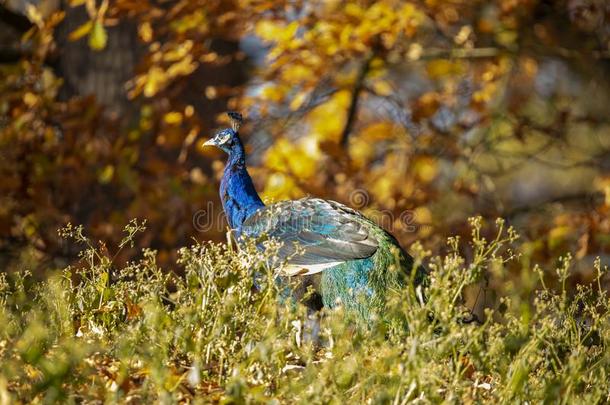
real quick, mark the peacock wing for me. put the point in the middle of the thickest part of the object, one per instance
(316, 234)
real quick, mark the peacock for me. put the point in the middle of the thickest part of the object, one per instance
(351, 260)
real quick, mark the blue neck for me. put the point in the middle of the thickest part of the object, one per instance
(239, 198)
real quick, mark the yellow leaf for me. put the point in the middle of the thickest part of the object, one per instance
(98, 36)
(270, 31)
(210, 92)
(290, 31)
(346, 35)
(267, 30)
(415, 51)
(173, 118)
(145, 31)
(30, 99)
(273, 93)
(178, 52)
(296, 73)
(195, 20)
(443, 67)
(106, 174)
(361, 151)
(296, 159)
(425, 168)
(81, 31)
(507, 37)
(298, 101)
(189, 110)
(486, 93)
(327, 119)
(384, 187)
(379, 131)
(383, 88)
(423, 216)
(154, 81)
(354, 10)
(184, 67)
(280, 187)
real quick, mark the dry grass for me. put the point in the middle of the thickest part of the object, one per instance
(219, 333)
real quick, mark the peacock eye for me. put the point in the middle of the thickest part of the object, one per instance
(224, 139)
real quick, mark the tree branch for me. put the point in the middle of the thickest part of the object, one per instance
(589, 198)
(353, 107)
(491, 52)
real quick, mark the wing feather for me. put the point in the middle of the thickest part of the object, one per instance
(327, 232)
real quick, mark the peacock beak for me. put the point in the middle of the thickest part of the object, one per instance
(210, 142)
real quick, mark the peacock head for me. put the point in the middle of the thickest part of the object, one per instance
(227, 139)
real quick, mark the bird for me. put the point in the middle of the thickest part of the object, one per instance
(350, 260)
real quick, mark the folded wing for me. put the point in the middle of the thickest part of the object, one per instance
(326, 232)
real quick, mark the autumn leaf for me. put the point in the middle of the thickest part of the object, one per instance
(81, 31)
(98, 36)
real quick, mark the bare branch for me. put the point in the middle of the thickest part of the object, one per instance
(586, 199)
(492, 52)
(353, 107)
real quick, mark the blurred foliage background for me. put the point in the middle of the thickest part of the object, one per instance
(419, 113)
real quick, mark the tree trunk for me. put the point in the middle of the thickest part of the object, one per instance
(99, 73)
